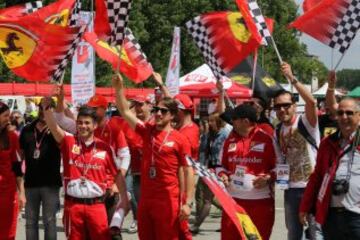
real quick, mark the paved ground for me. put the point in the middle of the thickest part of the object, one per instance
(208, 229)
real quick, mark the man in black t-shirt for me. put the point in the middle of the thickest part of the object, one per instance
(327, 124)
(42, 177)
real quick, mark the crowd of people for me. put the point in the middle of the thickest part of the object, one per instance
(137, 161)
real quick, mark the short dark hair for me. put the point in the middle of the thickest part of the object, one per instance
(86, 111)
(171, 104)
(284, 92)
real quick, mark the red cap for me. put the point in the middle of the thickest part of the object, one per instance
(97, 101)
(184, 102)
(141, 98)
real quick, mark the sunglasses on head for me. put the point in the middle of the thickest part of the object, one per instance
(286, 106)
(347, 113)
(162, 110)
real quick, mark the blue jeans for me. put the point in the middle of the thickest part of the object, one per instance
(292, 199)
(48, 198)
(130, 188)
(341, 225)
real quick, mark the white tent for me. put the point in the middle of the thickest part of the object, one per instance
(321, 92)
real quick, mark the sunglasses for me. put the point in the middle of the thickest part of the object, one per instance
(278, 107)
(162, 110)
(347, 113)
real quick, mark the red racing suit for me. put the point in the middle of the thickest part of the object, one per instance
(159, 205)
(245, 158)
(8, 194)
(84, 211)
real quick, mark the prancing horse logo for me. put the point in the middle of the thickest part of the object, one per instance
(11, 47)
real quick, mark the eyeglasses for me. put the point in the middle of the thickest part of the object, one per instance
(162, 110)
(278, 107)
(348, 113)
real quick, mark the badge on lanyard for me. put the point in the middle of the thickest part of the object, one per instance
(36, 154)
(239, 177)
(282, 176)
(152, 172)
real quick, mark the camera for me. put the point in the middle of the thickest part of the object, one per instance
(340, 186)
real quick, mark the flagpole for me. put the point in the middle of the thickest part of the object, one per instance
(276, 50)
(332, 58)
(254, 71)
(340, 60)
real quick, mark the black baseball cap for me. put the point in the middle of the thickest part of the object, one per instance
(244, 111)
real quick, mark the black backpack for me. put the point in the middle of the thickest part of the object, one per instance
(302, 130)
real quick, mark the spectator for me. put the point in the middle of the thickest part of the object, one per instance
(297, 137)
(88, 161)
(247, 163)
(160, 208)
(333, 189)
(218, 132)
(42, 177)
(10, 177)
(17, 120)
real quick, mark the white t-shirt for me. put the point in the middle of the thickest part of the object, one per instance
(297, 152)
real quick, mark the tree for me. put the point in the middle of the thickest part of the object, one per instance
(348, 78)
(152, 22)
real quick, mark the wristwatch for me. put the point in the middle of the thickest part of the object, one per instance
(294, 81)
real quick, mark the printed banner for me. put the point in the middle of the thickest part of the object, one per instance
(83, 68)
(172, 77)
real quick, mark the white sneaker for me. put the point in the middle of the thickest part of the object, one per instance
(133, 227)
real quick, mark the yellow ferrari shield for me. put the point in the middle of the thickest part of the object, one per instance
(60, 19)
(244, 80)
(238, 27)
(115, 50)
(16, 47)
(270, 82)
(248, 226)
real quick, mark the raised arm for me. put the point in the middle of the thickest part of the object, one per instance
(61, 106)
(330, 98)
(310, 101)
(121, 101)
(54, 128)
(221, 100)
(160, 83)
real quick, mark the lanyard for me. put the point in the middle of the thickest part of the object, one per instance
(161, 146)
(86, 166)
(43, 133)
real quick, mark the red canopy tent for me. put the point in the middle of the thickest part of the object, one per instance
(201, 83)
(35, 89)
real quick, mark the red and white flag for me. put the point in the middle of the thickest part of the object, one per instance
(236, 213)
(133, 62)
(173, 73)
(332, 22)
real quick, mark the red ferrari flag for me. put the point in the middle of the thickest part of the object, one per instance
(237, 214)
(133, 63)
(309, 4)
(224, 39)
(332, 22)
(59, 13)
(33, 49)
(20, 10)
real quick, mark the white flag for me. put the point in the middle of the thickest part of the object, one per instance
(172, 77)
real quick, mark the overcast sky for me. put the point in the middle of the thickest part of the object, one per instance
(352, 56)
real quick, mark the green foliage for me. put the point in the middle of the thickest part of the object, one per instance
(348, 78)
(152, 22)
